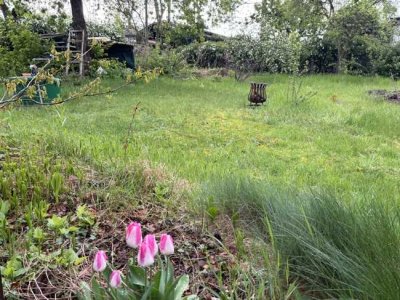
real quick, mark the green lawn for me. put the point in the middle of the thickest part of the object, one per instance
(317, 183)
(340, 139)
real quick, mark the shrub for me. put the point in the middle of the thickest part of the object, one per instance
(18, 45)
(43, 23)
(182, 34)
(109, 68)
(207, 54)
(171, 62)
(272, 51)
(388, 62)
(320, 57)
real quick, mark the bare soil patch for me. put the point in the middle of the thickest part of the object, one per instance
(391, 96)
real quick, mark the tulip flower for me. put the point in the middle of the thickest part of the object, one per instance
(166, 244)
(150, 240)
(134, 235)
(145, 256)
(100, 261)
(115, 279)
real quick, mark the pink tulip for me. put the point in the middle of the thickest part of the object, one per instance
(115, 279)
(145, 257)
(150, 240)
(100, 261)
(166, 244)
(134, 235)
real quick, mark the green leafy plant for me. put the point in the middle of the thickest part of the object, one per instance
(85, 216)
(69, 257)
(13, 268)
(56, 184)
(38, 234)
(18, 45)
(61, 225)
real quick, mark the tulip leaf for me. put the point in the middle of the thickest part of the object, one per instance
(170, 272)
(136, 276)
(181, 286)
(124, 295)
(120, 294)
(163, 275)
(97, 290)
(4, 207)
(107, 273)
(191, 297)
(176, 290)
(147, 293)
(86, 293)
(156, 284)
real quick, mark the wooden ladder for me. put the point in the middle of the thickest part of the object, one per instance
(76, 45)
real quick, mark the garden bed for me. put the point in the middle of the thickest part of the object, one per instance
(56, 258)
(392, 96)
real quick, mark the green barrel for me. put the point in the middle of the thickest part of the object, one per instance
(53, 90)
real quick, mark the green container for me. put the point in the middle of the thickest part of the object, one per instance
(53, 90)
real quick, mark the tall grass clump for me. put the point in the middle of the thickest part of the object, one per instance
(332, 248)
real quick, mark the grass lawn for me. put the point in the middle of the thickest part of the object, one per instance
(340, 139)
(341, 142)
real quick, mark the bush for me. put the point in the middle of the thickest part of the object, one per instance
(272, 51)
(109, 68)
(182, 34)
(42, 23)
(171, 62)
(388, 63)
(18, 46)
(320, 57)
(207, 54)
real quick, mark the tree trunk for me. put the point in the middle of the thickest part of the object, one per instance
(158, 17)
(146, 22)
(4, 9)
(78, 18)
(79, 23)
(169, 3)
(339, 59)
